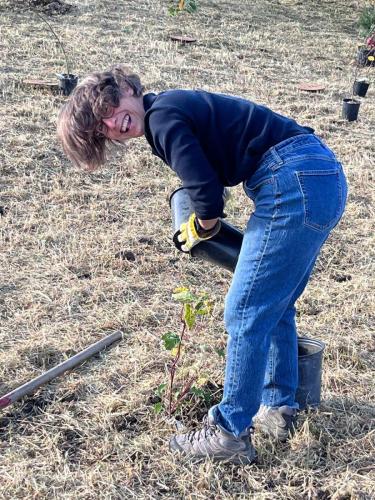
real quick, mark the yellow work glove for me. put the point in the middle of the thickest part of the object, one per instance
(191, 233)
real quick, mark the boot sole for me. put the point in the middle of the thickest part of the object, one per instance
(176, 449)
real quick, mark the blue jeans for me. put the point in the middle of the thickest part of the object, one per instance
(299, 191)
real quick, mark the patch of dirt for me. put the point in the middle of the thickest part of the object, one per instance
(19, 419)
(126, 255)
(52, 7)
(198, 406)
(43, 358)
(70, 442)
(131, 424)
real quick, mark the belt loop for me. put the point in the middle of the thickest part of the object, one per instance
(277, 159)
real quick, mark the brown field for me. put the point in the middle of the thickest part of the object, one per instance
(93, 433)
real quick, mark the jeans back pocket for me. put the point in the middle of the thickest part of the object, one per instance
(323, 197)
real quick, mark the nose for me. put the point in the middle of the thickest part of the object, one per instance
(110, 122)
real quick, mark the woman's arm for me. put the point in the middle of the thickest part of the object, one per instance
(176, 142)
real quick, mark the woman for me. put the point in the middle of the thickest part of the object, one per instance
(299, 191)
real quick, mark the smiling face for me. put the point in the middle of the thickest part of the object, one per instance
(126, 120)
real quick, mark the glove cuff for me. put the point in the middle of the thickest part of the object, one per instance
(206, 233)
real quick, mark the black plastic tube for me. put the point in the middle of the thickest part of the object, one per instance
(223, 249)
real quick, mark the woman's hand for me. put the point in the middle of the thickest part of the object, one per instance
(192, 232)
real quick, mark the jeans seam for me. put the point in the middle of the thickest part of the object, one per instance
(300, 158)
(234, 377)
(260, 184)
(318, 172)
(272, 375)
(273, 392)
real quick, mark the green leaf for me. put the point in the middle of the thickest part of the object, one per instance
(201, 393)
(367, 20)
(184, 296)
(203, 309)
(203, 305)
(161, 389)
(190, 6)
(171, 340)
(207, 397)
(197, 391)
(220, 352)
(189, 316)
(158, 407)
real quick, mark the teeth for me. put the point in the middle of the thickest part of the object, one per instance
(125, 122)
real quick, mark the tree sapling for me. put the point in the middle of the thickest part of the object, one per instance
(67, 81)
(193, 305)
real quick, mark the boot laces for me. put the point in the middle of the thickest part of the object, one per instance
(208, 430)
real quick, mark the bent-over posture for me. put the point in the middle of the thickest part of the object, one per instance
(298, 187)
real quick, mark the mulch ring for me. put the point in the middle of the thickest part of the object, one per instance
(52, 7)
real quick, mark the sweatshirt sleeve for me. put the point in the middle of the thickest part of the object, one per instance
(174, 141)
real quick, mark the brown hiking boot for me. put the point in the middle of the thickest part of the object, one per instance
(279, 422)
(216, 443)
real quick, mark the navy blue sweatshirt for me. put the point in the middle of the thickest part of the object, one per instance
(212, 140)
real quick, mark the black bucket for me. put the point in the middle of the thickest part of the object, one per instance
(223, 249)
(360, 87)
(310, 361)
(350, 108)
(67, 83)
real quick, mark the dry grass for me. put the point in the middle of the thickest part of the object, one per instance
(93, 433)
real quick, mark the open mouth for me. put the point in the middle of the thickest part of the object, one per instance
(125, 126)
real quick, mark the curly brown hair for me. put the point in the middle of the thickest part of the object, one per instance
(93, 99)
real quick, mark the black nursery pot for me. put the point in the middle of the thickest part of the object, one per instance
(67, 82)
(360, 87)
(350, 108)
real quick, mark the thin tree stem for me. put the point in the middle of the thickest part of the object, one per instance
(184, 393)
(175, 361)
(57, 38)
